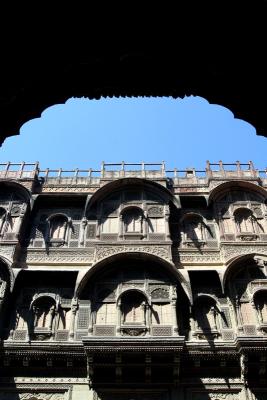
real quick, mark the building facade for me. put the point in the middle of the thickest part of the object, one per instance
(133, 282)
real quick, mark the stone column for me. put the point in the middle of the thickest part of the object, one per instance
(92, 320)
(143, 305)
(233, 312)
(98, 225)
(120, 226)
(145, 225)
(214, 313)
(167, 226)
(238, 314)
(148, 317)
(74, 308)
(20, 219)
(174, 317)
(82, 232)
(221, 225)
(51, 314)
(119, 317)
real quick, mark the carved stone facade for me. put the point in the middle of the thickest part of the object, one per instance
(133, 280)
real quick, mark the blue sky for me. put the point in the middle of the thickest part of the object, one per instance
(183, 132)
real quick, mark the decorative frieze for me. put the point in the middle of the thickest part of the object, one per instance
(7, 251)
(67, 189)
(107, 251)
(199, 257)
(60, 256)
(231, 251)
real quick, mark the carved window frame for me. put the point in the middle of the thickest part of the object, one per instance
(245, 234)
(45, 332)
(127, 211)
(58, 241)
(186, 240)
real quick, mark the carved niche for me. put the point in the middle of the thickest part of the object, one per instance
(206, 317)
(58, 229)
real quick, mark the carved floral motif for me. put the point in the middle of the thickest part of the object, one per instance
(106, 251)
(229, 252)
(60, 256)
(155, 211)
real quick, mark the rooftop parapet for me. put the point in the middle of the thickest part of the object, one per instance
(110, 171)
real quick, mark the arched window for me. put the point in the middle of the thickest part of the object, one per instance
(206, 317)
(133, 308)
(244, 221)
(132, 221)
(194, 228)
(43, 315)
(58, 229)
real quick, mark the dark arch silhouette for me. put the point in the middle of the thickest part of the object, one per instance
(207, 50)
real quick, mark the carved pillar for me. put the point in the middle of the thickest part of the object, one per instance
(120, 226)
(191, 323)
(74, 308)
(221, 225)
(50, 317)
(238, 314)
(82, 232)
(35, 311)
(257, 313)
(213, 322)
(233, 312)
(92, 320)
(20, 219)
(148, 317)
(119, 317)
(174, 317)
(167, 226)
(98, 225)
(145, 225)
